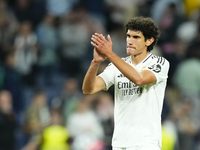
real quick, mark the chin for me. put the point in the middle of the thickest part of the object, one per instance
(129, 53)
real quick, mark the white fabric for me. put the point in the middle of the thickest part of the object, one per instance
(85, 123)
(138, 109)
(144, 147)
(150, 146)
(26, 52)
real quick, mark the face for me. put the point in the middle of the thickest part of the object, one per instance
(40, 100)
(5, 101)
(136, 43)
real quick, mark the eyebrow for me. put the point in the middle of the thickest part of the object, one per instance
(133, 35)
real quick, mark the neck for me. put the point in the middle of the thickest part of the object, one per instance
(136, 59)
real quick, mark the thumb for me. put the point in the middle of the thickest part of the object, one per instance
(109, 39)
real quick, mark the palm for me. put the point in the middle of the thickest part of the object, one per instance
(98, 56)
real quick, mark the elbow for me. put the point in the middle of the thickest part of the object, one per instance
(86, 92)
(138, 82)
(143, 82)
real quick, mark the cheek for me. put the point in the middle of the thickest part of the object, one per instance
(142, 45)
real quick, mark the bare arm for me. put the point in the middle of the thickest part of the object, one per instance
(91, 83)
(145, 77)
(105, 47)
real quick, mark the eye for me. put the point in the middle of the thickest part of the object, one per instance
(136, 37)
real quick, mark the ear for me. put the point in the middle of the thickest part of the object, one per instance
(149, 41)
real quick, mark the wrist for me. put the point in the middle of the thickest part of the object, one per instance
(96, 62)
(110, 55)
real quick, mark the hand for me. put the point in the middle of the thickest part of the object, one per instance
(102, 45)
(98, 57)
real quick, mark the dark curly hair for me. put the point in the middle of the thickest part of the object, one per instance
(147, 26)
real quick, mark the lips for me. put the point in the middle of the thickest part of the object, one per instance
(130, 47)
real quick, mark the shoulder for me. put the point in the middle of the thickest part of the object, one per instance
(157, 63)
(156, 59)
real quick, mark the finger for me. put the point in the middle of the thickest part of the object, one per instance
(103, 37)
(94, 44)
(100, 36)
(109, 39)
(96, 39)
(98, 52)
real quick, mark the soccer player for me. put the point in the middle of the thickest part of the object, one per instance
(139, 82)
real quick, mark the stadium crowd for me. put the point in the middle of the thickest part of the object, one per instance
(45, 51)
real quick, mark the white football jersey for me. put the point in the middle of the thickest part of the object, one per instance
(137, 111)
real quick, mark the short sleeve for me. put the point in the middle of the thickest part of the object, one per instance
(108, 75)
(160, 70)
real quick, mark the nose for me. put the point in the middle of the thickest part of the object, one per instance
(129, 41)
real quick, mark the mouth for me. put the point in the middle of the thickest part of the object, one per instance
(130, 47)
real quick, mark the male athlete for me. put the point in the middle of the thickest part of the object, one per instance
(139, 81)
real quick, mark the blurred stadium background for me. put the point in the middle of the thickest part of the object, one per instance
(45, 52)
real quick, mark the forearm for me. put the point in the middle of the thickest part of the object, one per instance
(89, 80)
(126, 69)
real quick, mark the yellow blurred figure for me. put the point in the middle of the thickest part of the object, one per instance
(55, 138)
(168, 140)
(191, 6)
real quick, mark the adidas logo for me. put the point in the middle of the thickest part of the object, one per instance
(120, 76)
